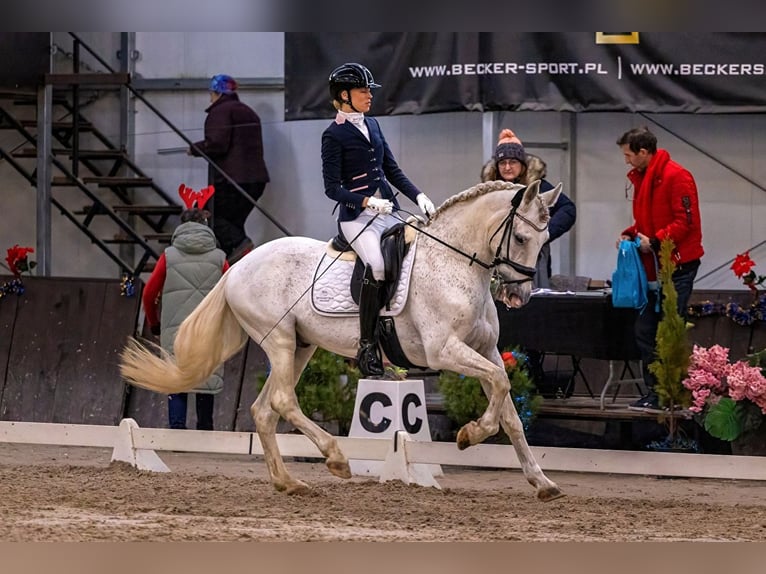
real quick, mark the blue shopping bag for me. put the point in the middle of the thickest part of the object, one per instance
(629, 284)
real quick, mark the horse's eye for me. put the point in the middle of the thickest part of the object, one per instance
(520, 239)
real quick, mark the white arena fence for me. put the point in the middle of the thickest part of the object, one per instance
(403, 457)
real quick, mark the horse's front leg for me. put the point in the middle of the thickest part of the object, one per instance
(458, 357)
(547, 490)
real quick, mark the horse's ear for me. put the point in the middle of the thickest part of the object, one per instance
(531, 191)
(550, 197)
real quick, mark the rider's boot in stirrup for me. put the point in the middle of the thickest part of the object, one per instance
(369, 359)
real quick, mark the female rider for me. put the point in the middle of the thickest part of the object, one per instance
(358, 170)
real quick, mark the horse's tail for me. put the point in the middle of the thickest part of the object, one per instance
(205, 339)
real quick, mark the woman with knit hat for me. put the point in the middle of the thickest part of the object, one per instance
(510, 162)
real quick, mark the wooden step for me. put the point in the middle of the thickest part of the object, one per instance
(62, 180)
(30, 152)
(7, 94)
(149, 209)
(109, 181)
(94, 209)
(123, 239)
(95, 153)
(88, 79)
(160, 237)
(26, 97)
(84, 126)
(120, 240)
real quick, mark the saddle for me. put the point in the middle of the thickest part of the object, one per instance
(394, 245)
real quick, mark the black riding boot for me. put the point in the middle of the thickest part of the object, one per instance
(369, 358)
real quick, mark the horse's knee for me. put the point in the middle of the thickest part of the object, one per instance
(263, 416)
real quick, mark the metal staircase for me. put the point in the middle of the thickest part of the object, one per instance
(104, 167)
(103, 173)
(69, 153)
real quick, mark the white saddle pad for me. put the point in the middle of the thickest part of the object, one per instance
(331, 291)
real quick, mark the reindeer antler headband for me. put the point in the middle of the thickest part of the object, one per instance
(193, 198)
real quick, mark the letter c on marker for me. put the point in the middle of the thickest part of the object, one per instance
(364, 413)
(415, 426)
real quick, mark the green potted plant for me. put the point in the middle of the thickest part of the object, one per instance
(464, 399)
(673, 349)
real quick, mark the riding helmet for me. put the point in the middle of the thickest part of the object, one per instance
(350, 75)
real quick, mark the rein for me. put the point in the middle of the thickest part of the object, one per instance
(507, 226)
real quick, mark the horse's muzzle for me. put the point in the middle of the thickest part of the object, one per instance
(514, 295)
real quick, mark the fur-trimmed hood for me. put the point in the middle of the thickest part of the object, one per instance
(536, 169)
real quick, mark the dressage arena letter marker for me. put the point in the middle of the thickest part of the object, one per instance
(383, 407)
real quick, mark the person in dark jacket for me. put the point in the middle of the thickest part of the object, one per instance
(233, 140)
(185, 272)
(665, 206)
(510, 162)
(359, 171)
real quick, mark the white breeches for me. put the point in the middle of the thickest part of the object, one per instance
(367, 245)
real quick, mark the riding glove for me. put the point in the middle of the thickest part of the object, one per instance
(380, 205)
(426, 205)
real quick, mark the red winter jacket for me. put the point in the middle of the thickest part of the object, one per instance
(666, 205)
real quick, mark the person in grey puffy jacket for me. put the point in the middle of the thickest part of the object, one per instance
(186, 272)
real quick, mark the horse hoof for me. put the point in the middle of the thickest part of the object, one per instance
(550, 493)
(341, 469)
(298, 487)
(463, 442)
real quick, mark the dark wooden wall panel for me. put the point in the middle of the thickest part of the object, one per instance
(8, 310)
(225, 411)
(63, 359)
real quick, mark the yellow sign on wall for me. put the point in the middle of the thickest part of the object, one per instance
(616, 37)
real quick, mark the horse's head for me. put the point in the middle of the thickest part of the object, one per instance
(522, 234)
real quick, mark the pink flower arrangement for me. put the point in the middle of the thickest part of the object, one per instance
(730, 398)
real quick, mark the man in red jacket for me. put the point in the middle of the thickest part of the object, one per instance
(665, 206)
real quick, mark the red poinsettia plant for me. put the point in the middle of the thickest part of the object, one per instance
(743, 268)
(18, 260)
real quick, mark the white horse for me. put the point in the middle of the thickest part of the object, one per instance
(448, 322)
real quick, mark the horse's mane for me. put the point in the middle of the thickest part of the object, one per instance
(472, 192)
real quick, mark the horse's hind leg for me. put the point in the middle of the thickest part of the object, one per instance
(284, 401)
(336, 461)
(266, 420)
(278, 398)
(509, 419)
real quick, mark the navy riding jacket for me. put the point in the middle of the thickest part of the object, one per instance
(354, 168)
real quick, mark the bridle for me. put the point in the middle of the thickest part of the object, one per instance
(507, 228)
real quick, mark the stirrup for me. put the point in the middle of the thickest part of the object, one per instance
(369, 361)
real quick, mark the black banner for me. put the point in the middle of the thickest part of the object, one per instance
(697, 72)
(25, 57)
